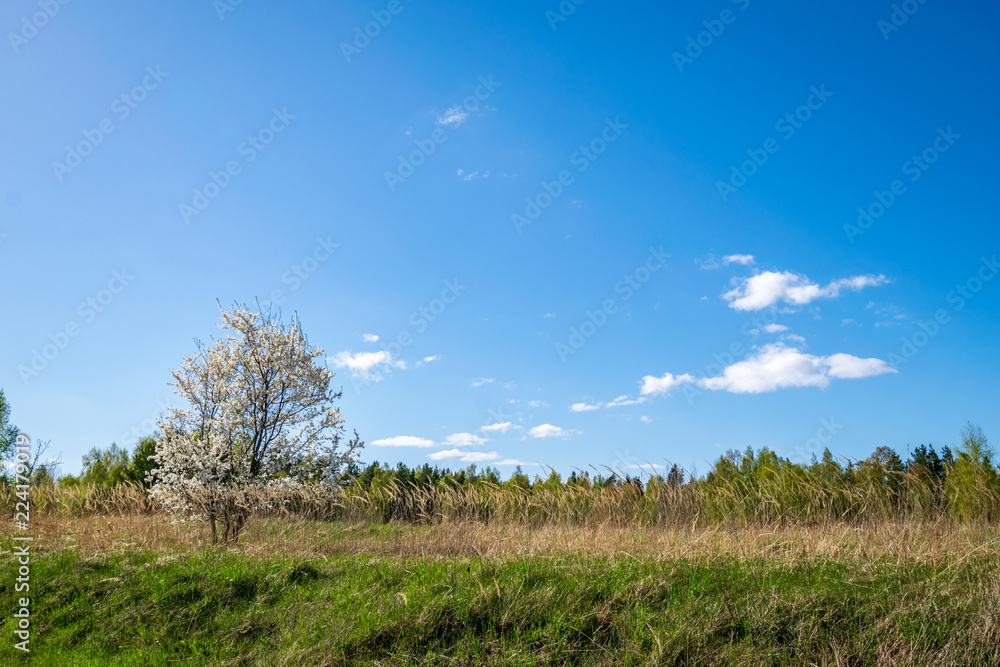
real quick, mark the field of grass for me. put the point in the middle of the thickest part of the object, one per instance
(136, 589)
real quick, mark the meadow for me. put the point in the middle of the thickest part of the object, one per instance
(761, 562)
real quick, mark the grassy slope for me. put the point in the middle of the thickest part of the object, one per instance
(219, 607)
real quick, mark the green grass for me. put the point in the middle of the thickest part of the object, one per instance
(219, 607)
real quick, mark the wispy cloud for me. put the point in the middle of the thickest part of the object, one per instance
(583, 407)
(464, 440)
(403, 441)
(463, 456)
(367, 365)
(549, 431)
(513, 462)
(499, 428)
(453, 117)
(709, 263)
(625, 400)
(745, 260)
(427, 360)
(646, 466)
(481, 381)
(370, 338)
(472, 176)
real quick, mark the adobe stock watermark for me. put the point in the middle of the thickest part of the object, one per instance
(122, 107)
(22, 543)
(147, 426)
(787, 125)
(87, 311)
(223, 7)
(957, 299)
(581, 158)
(714, 28)
(562, 12)
(30, 25)
(901, 13)
(249, 149)
(624, 290)
(304, 269)
(419, 321)
(409, 163)
(827, 431)
(363, 35)
(915, 167)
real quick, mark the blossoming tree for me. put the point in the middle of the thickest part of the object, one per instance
(261, 418)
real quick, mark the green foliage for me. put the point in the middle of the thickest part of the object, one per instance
(519, 479)
(114, 465)
(142, 608)
(972, 484)
(141, 464)
(105, 466)
(8, 435)
(752, 487)
(748, 487)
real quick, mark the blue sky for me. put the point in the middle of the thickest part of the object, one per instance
(473, 184)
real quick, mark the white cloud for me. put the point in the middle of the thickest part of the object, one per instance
(427, 360)
(481, 381)
(775, 328)
(533, 404)
(549, 431)
(464, 440)
(366, 364)
(403, 441)
(651, 386)
(370, 338)
(499, 428)
(745, 260)
(777, 367)
(646, 466)
(549, 315)
(709, 263)
(454, 116)
(474, 175)
(846, 367)
(768, 288)
(463, 456)
(512, 462)
(646, 420)
(583, 407)
(625, 400)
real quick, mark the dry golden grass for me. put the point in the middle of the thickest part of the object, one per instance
(931, 542)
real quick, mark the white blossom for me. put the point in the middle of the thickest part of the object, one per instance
(261, 417)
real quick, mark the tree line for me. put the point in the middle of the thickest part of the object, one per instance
(261, 423)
